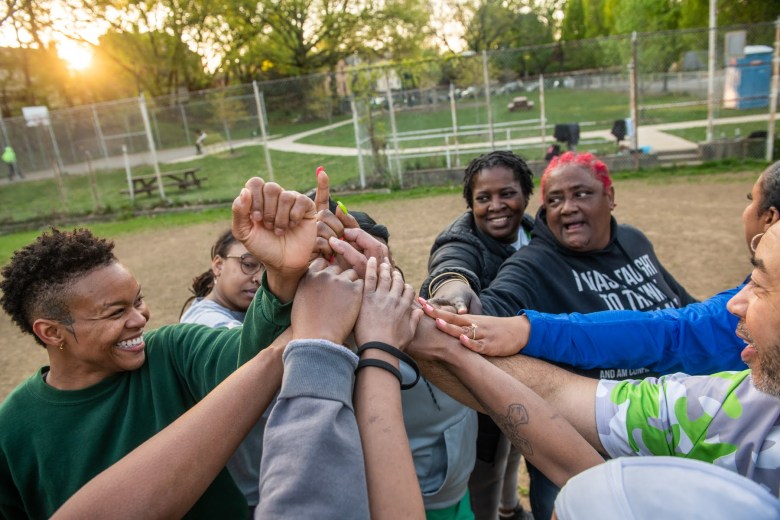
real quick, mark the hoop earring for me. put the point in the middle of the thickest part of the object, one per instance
(754, 242)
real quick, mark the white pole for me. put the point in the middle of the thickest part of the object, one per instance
(634, 96)
(55, 147)
(128, 173)
(99, 132)
(486, 79)
(184, 122)
(711, 72)
(150, 142)
(454, 113)
(260, 102)
(393, 129)
(356, 126)
(770, 135)
(542, 113)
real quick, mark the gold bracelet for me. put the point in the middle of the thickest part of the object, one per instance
(445, 282)
(452, 277)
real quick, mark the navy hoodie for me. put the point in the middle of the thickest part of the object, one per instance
(546, 276)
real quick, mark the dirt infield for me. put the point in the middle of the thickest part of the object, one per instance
(694, 223)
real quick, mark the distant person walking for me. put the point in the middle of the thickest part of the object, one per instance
(9, 157)
(199, 141)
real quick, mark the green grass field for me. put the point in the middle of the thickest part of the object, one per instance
(225, 175)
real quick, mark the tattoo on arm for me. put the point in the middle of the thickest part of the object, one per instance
(516, 415)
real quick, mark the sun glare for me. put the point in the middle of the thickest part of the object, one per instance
(77, 56)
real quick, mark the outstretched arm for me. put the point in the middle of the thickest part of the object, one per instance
(313, 423)
(507, 389)
(697, 339)
(167, 474)
(393, 489)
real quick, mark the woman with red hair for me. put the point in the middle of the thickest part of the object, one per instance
(579, 260)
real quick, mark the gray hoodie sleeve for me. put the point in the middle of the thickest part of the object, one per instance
(312, 465)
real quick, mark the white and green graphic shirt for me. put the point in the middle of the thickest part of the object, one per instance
(721, 419)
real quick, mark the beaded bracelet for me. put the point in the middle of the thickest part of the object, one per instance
(402, 356)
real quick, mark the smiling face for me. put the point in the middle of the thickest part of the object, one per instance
(104, 334)
(498, 203)
(757, 306)
(578, 208)
(233, 288)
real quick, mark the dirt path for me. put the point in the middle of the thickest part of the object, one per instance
(693, 222)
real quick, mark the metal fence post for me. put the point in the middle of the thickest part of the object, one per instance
(634, 100)
(128, 173)
(393, 130)
(454, 113)
(99, 132)
(770, 135)
(359, 145)
(6, 141)
(711, 71)
(542, 113)
(186, 125)
(150, 142)
(260, 102)
(486, 78)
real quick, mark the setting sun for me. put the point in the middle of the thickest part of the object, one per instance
(78, 56)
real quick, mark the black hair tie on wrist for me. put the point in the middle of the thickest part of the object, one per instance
(378, 363)
(400, 355)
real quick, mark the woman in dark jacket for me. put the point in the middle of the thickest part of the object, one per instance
(497, 187)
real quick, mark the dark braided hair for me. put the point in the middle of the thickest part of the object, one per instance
(37, 280)
(204, 282)
(770, 188)
(523, 173)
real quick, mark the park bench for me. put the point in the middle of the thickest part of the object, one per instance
(520, 103)
(182, 179)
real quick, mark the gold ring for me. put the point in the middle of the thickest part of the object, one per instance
(473, 331)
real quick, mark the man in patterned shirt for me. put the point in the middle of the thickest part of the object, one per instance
(731, 419)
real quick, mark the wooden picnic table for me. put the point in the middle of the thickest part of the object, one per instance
(182, 179)
(520, 103)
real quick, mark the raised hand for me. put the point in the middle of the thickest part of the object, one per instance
(329, 224)
(357, 247)
(486, 335)
(278, 227)
(327, 303)
(386, 313)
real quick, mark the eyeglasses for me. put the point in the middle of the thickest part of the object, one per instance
(249, 264)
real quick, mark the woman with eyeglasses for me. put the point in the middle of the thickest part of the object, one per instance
(221, 296)
(222, 293)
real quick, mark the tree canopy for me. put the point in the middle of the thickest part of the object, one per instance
(168, 46)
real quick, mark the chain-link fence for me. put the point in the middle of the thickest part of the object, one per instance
(648, 97)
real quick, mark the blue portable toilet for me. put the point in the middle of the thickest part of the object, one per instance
(748, 78)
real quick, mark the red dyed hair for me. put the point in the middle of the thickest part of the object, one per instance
(586, 160)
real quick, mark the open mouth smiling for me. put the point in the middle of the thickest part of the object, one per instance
(132, 343)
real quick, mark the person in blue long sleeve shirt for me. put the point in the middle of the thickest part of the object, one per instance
(696, 339)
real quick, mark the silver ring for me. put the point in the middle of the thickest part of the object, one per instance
(473, 331)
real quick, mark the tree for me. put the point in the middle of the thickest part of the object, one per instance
(153, 62)
(487, 24)
(153, 40)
